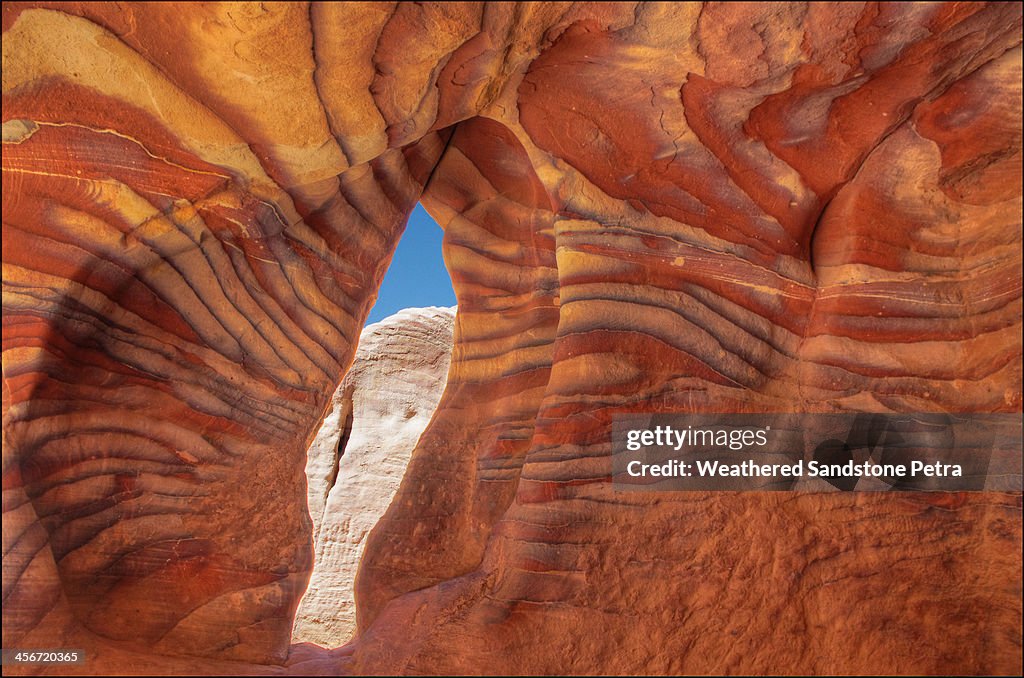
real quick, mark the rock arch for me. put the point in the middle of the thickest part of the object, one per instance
(648, 206)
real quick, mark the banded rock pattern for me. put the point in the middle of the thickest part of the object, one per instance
(361, 452)
(648, 207)
(183, 288)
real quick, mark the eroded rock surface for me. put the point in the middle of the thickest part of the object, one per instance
(360, 454)
(654, 207)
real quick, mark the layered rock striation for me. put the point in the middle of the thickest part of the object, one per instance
(647, 207)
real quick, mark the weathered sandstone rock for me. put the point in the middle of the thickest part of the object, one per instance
(653, 207)
(360, 454)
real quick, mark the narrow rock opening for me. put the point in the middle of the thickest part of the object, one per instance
(417, 276)
(345, 433)
(360, 453)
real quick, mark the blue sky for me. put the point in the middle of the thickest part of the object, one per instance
(417, 276)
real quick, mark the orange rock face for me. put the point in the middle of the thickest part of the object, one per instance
(647, 208)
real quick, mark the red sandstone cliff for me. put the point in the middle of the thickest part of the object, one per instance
(648, 207)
